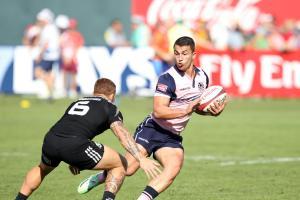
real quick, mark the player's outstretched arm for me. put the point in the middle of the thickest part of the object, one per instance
(150, 167)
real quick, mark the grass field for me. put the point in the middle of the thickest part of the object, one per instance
(250, 152)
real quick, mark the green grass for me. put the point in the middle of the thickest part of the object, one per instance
(219, 152)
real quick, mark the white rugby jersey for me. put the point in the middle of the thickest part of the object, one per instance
(182, 90)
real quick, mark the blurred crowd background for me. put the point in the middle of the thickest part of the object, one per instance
(267, 35)
(55, 31)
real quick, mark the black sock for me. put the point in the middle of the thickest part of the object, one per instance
(108, 195)
(150, 191)
(21, 196)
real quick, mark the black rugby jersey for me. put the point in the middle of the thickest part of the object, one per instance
(87, 117)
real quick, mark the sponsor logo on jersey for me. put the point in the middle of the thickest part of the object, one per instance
(186, 88)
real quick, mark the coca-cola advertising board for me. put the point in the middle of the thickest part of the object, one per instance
(244, 12)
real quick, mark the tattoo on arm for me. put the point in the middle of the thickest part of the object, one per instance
(126, 139)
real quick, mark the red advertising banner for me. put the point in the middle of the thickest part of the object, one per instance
(252, 73)
(245, 12)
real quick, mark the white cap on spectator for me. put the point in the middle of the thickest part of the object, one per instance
(45, 15)
(62, 21)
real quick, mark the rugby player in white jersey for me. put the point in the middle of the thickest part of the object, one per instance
(177, 94)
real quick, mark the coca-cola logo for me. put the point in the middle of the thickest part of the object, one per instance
(225, 12)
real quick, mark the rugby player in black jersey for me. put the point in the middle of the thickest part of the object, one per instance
(70, 141)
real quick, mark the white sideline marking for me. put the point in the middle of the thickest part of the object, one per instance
(17, 154)
(229, 161)
(209, 157)
(260, 161)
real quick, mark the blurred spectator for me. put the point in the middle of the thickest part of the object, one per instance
(31, 35)
(176, 31)
(293, 42)
(140, 35)
(259, 41)
(49, 49)
(160, 43)
(201, 35)
(31, 39)
(114, 35)
(236, 40)
(219, 36)
(287, 28)
(288, 32)
(70, 41)
(276, 40)
(62, 23)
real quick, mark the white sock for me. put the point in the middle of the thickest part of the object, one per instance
(144, 197)
(149, 193)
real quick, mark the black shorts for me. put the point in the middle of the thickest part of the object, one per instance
(46, 65)
(152, 137)
(74, 150)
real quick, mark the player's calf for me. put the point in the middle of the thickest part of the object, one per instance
(113, 182)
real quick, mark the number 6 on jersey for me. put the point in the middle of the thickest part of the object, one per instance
(79, 108)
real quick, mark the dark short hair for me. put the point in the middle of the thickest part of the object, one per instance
(115, 21)
(185, 41)
(104, 86)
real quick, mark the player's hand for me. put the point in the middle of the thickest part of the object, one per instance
(193, 106)
(217, 108)
(151, 167)
(74, 170)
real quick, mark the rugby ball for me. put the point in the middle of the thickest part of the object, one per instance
(215, 93)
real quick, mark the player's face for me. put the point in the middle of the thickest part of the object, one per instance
(184, 57)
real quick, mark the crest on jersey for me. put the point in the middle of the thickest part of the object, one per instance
(161, 87)
(200, 85)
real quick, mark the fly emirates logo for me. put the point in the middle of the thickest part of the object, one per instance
(267, 71)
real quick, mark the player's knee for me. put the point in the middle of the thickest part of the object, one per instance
(122, 171)
(118, 172)
(131, 169)
(44, 169)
